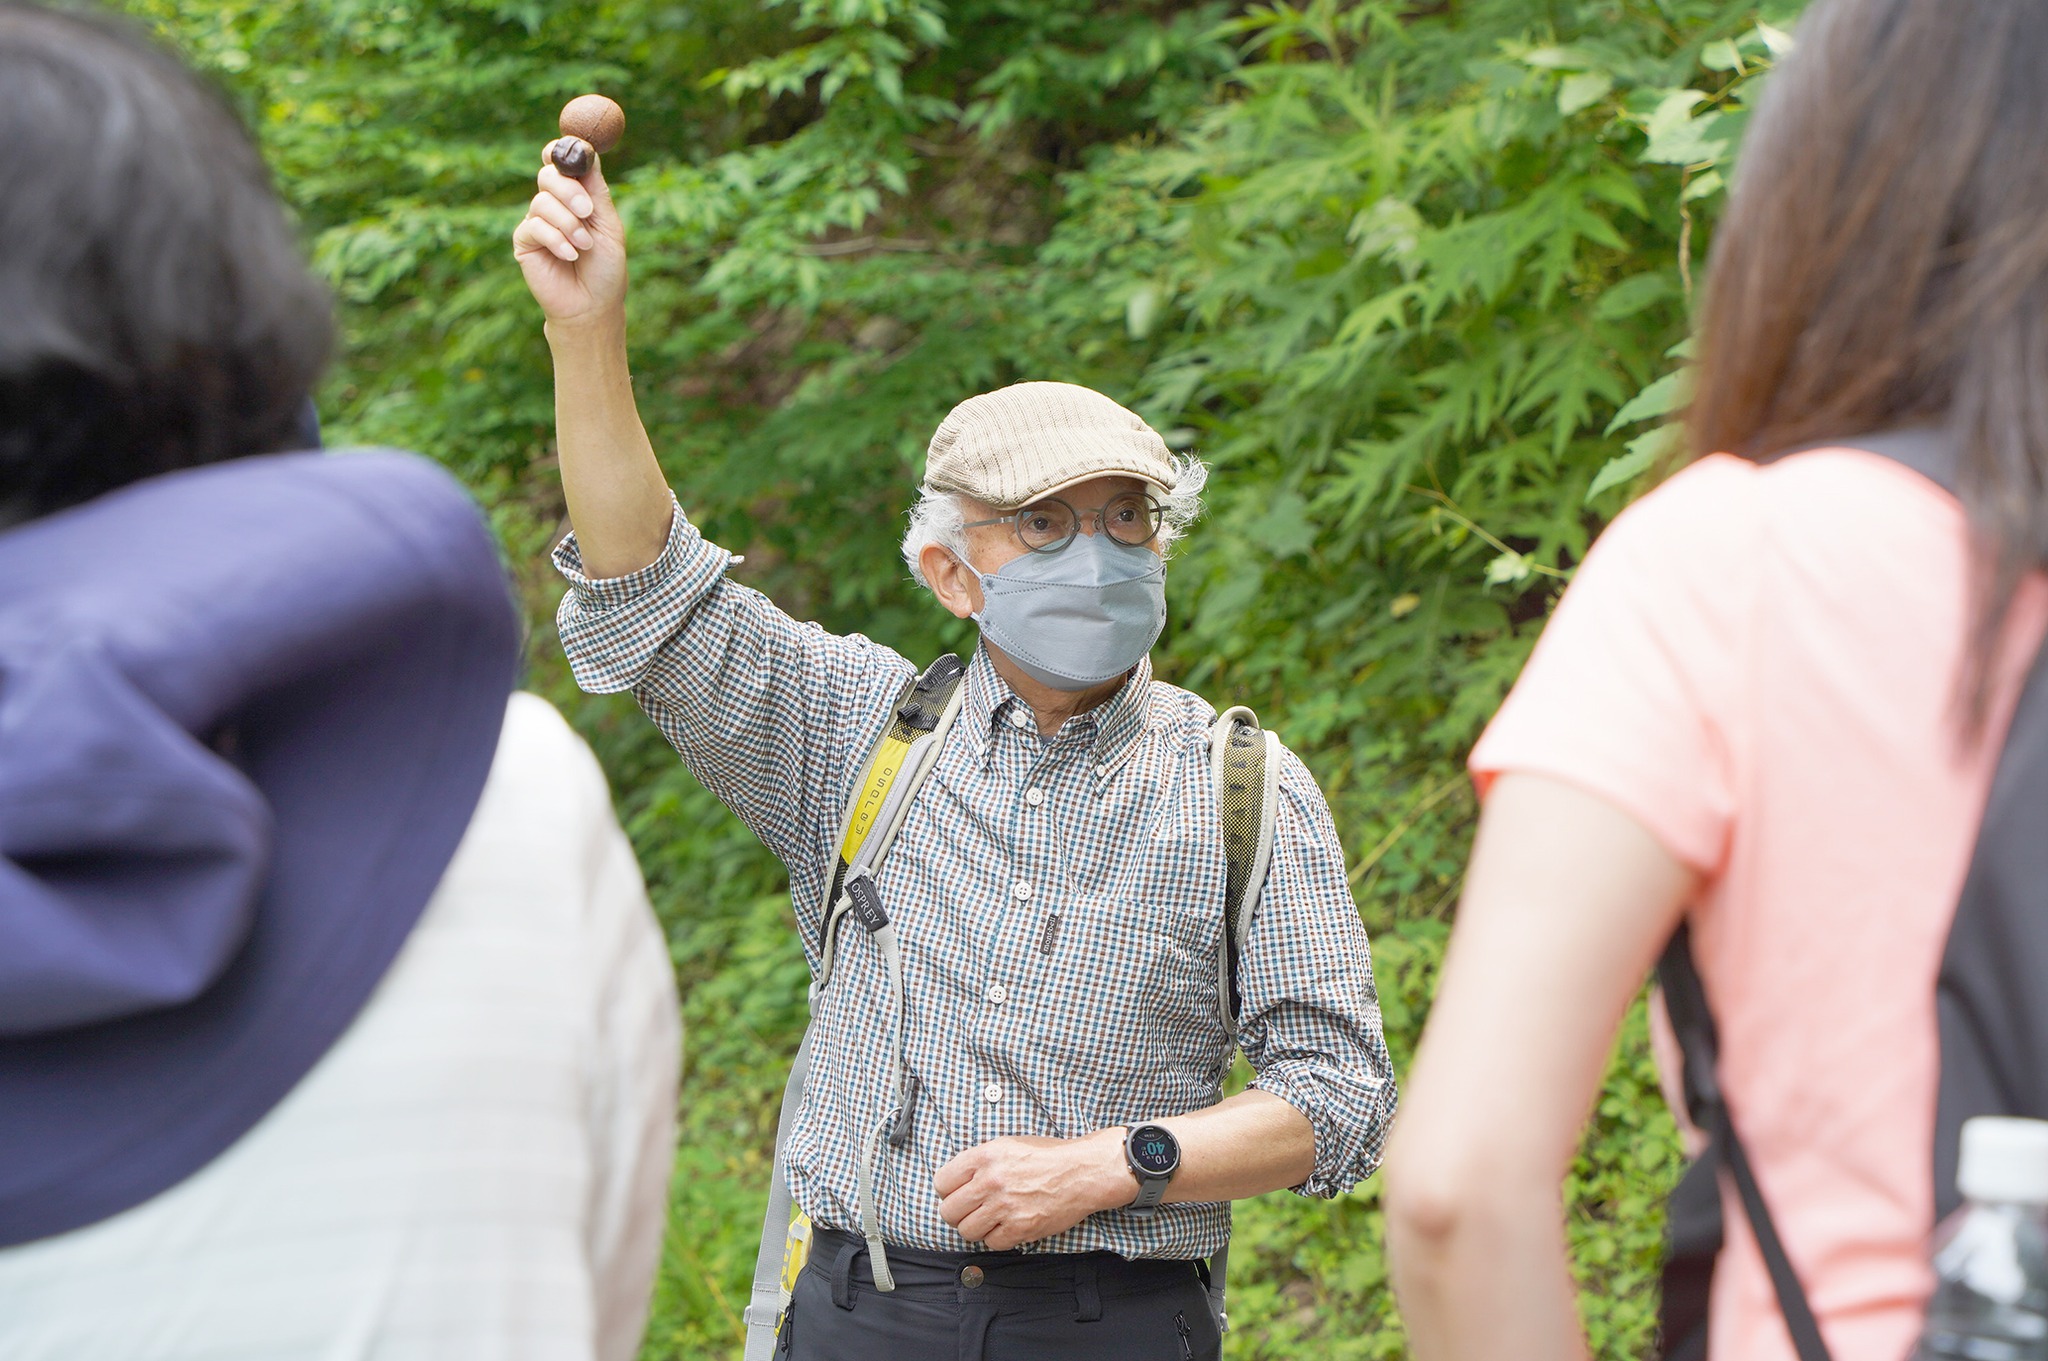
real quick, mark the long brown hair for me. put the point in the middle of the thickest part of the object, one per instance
(1884, 262)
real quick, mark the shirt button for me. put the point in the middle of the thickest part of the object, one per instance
(1034, 796)
(998, 994)
(1022, 888)
(992, 1092)
(1019, 719)
(971, 1276)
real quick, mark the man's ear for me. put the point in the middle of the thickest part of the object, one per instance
(952, 581)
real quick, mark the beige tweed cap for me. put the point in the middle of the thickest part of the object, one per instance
(1011, 446)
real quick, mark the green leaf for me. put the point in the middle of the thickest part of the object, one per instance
(1285, 529)
(1678, 138)
(1668, 394)
(1141, 310)
(1634, 294)
(1557, 59)
(1643, 454)
(1582, 91)
(1721, 56)
(1703, 186)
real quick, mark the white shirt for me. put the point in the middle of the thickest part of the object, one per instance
(477, 1169)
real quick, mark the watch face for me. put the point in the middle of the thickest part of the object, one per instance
(1154, 1150)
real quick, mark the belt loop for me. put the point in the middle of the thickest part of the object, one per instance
(1087, 1292)
(842, 1273)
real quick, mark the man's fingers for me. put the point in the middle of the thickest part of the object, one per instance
(957, 1172)
(556, 214)
(578, 196)
(977, 1227)
(535, 234)
(959, 1205)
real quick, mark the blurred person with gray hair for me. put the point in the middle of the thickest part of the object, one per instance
(1012, 1140)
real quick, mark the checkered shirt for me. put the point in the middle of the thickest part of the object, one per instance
(1059, 904)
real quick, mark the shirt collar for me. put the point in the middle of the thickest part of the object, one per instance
(1117, 722)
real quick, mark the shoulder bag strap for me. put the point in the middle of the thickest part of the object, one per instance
(1686, 1001)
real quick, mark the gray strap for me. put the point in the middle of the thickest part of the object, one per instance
(870, 1212)
(767, 1300)
(1257, 864)
(870, 1217)
(1262, 862)
(1219, 1268)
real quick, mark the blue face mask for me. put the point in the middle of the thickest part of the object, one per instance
(1078, 617)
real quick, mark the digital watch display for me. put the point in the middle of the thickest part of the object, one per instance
(1154, 1156)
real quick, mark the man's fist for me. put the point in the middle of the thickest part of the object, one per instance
(572, 247)
(1024, 1188)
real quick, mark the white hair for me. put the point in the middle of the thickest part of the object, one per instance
(940, 517)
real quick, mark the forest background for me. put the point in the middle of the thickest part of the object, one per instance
(1415, 276)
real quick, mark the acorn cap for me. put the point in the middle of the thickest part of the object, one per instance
(597, 120)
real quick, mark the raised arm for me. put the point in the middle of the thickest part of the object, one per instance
(774, 716)
(572, 249)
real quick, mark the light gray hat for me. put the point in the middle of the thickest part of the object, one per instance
(1012, 446)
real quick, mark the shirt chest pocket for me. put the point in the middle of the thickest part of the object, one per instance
(1140, 965)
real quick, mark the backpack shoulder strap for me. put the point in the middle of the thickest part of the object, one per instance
(1244, 762)
(1685, 999)
(902, 758)
(1244, 765)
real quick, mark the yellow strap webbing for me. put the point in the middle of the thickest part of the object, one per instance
(882, 772)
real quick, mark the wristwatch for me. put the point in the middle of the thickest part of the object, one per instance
(1154, 1156)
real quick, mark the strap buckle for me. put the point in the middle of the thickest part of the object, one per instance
(900, 1118)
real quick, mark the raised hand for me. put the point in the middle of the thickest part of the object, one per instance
(571, 246)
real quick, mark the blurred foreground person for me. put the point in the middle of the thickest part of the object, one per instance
(1011, 1136)
(333, 1019)
(1770, 707)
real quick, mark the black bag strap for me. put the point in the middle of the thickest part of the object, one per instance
(1686, 1002)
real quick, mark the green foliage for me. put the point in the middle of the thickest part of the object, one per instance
(1408, 274)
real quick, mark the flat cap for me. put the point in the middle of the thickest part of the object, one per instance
(1014, 445)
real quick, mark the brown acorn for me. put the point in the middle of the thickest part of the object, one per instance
(591, 126)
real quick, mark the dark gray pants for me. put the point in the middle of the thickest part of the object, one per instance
(1092, 1306)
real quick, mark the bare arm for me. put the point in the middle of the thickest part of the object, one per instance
(1566, 906)
(1024, 1188)
(572, 249)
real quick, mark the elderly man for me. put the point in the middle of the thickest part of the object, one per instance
(1056, 885)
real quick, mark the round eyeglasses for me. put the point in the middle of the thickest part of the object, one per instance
(1131, 519)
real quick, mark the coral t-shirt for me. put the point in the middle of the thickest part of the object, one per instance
(1760, 666)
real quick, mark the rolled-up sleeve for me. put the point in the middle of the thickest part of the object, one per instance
(772, 715)
(613, 628)
(1311, 1014)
